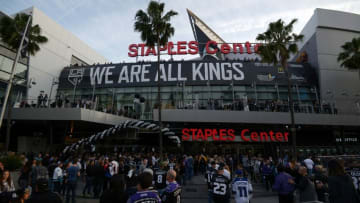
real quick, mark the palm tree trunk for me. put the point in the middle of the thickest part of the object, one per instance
(159, 102)
(291, 108)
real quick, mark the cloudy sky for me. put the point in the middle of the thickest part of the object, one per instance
(107, 25)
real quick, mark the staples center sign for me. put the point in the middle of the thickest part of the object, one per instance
(244, 135)
(192, 47)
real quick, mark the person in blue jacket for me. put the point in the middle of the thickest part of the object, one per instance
(284, 185)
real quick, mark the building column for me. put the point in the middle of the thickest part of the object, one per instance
(51, 133)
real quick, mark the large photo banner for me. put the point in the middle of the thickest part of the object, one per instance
(188, 72)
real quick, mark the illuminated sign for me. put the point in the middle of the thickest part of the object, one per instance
(192, 47)
(245, 135)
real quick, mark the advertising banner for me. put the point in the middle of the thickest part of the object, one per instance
(187, 72)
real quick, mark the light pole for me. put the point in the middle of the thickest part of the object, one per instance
(10, 83)
(74, 92)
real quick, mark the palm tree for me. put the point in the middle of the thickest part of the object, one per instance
(155, 29)
(11, 33)
(350, 57)
(278, 44)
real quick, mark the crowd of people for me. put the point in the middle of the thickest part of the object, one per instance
(134, 177)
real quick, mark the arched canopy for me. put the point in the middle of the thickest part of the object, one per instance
(134, 124)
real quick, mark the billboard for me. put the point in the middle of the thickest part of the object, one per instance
(188, 72)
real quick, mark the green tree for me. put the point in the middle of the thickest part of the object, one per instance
(278, 44)
(11, 33)
(350, 57)
(155, 30)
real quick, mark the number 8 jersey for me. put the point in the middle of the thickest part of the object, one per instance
(242, 189)
(220, 188)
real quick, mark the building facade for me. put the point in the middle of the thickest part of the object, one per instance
(324, 34)
(62, 49)
(236, 95)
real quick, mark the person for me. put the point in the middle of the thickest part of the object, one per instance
(242, 188)
(173, 190)
(33, 175)
(6, 186)
(21, 196)
(41, 171)
(309, 165)
(114, 170)
(144, 164)
(131, 179)
(116, 193)
(73, 173)
(25, 175)
(284, 185)
(98, 178)
(227, 172)
(57, 177)
(208, 176)
(267, 173)
(44, 100)
(160, 179)
(107, 167)
(189, 167)
(89, 177)
(341, 187)
(220, 186)
(51, 170)
(144, 191)
(42, 193)
(306, 187)
(321, 185)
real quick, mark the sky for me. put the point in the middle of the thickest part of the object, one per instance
(107, 25)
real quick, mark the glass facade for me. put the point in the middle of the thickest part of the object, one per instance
(19, 89)
(123, 101)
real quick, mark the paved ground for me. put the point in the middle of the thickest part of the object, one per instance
(196, 191)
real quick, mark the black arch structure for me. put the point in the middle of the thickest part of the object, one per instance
(128, 124)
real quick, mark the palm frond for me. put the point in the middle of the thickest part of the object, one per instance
(278, 41)
(350, 56)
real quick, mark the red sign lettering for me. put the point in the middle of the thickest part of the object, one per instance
(192, 47)
(245, 135)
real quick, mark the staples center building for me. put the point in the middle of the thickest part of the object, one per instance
(229, 101)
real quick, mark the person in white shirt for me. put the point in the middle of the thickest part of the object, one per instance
(309, 165)
(114, 167)
(242, 188)
(58, 177)
(227, 173)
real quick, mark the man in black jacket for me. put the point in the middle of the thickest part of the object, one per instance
(43, 195)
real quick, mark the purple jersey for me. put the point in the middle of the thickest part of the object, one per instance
(171, 187)
(172, 193)
(148, 196)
